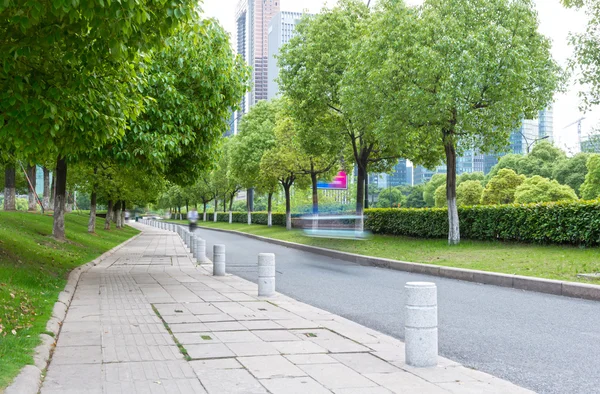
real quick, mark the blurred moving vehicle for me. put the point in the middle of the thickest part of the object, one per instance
(335, 226)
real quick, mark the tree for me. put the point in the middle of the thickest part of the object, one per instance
(539, 189)
(469, 193)
(415, 197)
(440, 197)
(323, 78)
(470, 176)
(587, 52)
(430, 188)
(591, 187)
(465, 73)
(502, 187)
(572, 171)
(391, 198)
(69, 81)
(255, 137)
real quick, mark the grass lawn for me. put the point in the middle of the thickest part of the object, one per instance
(33, 270)
(552, 262)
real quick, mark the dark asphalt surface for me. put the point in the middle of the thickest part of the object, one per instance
(546, 343)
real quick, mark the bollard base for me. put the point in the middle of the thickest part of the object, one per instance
(421, 349)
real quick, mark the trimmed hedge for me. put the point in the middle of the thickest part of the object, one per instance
(257, 217)
(576, 223)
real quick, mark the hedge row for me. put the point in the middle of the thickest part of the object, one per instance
(576, 223)
(257, 217)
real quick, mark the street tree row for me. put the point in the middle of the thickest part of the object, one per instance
(128, 94)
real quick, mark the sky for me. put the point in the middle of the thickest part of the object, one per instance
(556, 22)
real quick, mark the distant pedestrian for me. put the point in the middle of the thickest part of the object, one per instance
(193, 218)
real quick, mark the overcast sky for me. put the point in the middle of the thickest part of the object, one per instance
(555, 22)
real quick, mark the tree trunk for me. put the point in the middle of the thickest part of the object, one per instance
(187, 207)
(216, 209)
(224, 204)
(46, 198)
(123, 213)
(60, 194)
(360, 196)
(108, 215)
(453, 221)
(118, 215)
(92, 220)
(10, 197)
(31, 173)
(115, 213)
(288, 207)
(269, 210)
(93, 198)
(231, 202)
(69, 204)
(250, 200)
(204, 214)
(315, 194)
(53, 189)
(366, 190)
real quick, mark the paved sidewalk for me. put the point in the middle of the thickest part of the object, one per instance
(222, 338)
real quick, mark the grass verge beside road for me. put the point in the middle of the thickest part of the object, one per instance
(33, 270)
(551, 262)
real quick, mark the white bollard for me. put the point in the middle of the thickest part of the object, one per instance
(266, 274)
(420, 325)
(230, 217)
(219, 260)
(192, 244)
(200, 250)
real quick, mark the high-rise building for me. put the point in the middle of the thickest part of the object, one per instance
(281, 31)
(253, 18)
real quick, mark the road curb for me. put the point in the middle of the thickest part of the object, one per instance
(30, 378)
(539, 285)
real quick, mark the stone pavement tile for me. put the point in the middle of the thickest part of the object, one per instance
(440, 374)
(297, 347)
(266, 367)
(218, 363)
(202, 308)
(317, 334)
(148, 370)
(236, 336)
(140, 353)
(79, 327)
(291, 385)
(77, 355)
(301, 359)
(211, 296)
(204, 351)
(341, 346)
(80, 338)
(73, 378)
(276, 335)
(239, 296)
(172, 309)
(363, 390)
(232, 307)
(365, 363)
(230, 381)
(261, 325)
(179, 318)
(252, 349)
(494, 386)
(187, 327)
(216, 317)
(337, 376)
(404, 382)
(297, 324)
(224, 326)
(260, 306)
(196, 338)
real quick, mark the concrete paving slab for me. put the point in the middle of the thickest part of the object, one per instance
(112, 340)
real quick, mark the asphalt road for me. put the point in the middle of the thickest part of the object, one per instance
(546, 343)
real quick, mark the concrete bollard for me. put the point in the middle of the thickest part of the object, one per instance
(219, 260)
(266, 274)
(200, 250)
(420, 326)
(192, 244)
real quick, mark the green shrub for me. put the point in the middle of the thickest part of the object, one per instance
(576, 223)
